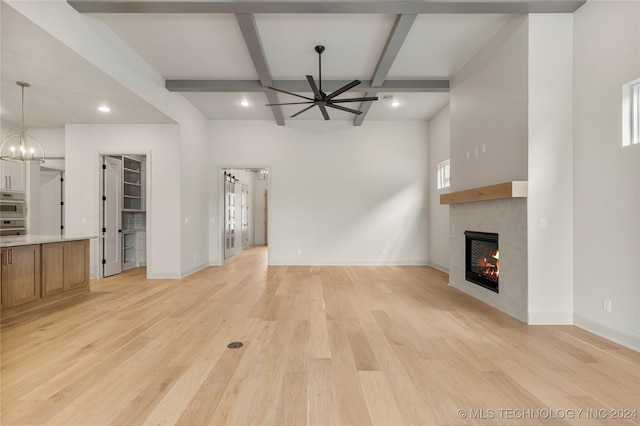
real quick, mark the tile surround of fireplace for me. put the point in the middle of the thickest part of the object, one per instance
(508, 219)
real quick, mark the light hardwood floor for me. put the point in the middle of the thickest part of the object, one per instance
(344, 345)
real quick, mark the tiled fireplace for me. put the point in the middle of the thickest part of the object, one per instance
(506, 288)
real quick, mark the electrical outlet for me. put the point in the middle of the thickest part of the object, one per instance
(484, 148)
(543, 223)
(606, 305)
(299, 252)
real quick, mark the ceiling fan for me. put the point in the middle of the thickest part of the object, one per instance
(321, 99)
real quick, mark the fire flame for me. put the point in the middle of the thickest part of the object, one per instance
(489, 268)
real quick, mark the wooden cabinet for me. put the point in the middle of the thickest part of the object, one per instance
(12, 176)
(65, 266)
(20, 275)
(37, 275)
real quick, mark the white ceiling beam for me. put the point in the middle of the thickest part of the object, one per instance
(303, 86)
(356, 7)
(249, 30)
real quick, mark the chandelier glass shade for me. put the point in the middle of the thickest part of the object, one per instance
(22, 147)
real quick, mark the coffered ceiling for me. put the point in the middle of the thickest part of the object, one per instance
(219, 53)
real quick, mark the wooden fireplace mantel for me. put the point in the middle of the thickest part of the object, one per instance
(501, 191)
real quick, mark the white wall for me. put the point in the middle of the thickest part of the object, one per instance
(194, 193)
(489, 107)
(52, 140)
(161, 143)
(550, 200)
(439, 151)
(606, 175)
(339, 194)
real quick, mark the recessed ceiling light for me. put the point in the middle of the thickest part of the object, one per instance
(104, 108)
(395, 104)
(245, 103)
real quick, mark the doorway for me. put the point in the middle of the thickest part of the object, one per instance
(51, 201)
(244, 200)
(123, 213)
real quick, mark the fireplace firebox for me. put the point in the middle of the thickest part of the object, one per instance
(482, 263)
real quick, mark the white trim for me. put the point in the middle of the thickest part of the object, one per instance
(550, 318)
(631, 113)
(193, 270)
(163, 276)
(284, 262)
(443, 177)
(439, 267)
(618, 336)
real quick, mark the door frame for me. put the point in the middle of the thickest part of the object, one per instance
(97, 248)
(219, 179)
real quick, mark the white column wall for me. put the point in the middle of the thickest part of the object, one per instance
(550, 199)
(439, 151)
(160, 143)
(606, 175)
(489, 108)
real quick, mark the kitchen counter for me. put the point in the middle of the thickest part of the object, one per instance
(39, 270)
(25, 240)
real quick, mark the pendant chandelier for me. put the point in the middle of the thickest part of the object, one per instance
(22, 147)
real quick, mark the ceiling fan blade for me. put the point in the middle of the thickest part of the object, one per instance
(292, 103)
(369, 98)
(352, 111)
(343, 89)
(325, 114)
(289, 93)
(316, 92)
(300, 112)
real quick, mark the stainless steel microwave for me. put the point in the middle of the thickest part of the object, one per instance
(12, 205)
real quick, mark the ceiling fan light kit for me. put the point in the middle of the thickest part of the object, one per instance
(320, 98)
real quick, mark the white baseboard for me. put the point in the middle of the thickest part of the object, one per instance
(163, 276)
(550, 318)
(194, 270)
(295, 262)
(617, 336)
(439, 267)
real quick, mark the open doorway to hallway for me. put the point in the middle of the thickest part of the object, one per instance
(245, 205)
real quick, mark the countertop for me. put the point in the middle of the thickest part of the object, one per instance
(25, 240)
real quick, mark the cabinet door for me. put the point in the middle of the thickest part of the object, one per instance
(23, 275)
(17, 177)
(76, 264)
(52, 269)
(13, 176)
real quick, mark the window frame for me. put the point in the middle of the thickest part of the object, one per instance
(443, 178)
(631, 113)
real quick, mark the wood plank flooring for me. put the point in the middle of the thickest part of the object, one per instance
(344, 345)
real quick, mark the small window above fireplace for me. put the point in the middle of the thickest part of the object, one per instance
(482, 259)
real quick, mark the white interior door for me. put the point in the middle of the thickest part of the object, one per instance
(51, 202)
(245, 216)
(230, 219)
(112, 216)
